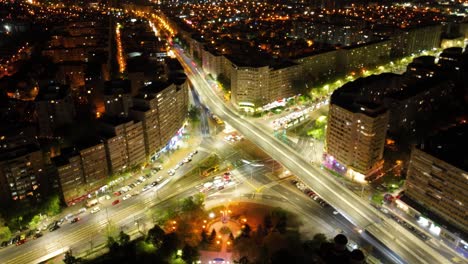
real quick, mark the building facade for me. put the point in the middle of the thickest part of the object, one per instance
(437, 177)
(356, 133)
(54, 108)
(20, 170)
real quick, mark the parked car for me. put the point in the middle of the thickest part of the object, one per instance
(54, 227)
(116, 201)
(95, 210)
(124, 198)
(4, 244)
(74, 220)
(21, 242)
(37, 235)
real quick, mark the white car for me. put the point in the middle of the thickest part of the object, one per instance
(82, 210)
(126, 197)
(159, 178)
(171, 172)
(95, 210)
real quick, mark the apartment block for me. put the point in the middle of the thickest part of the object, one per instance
(355, 134)
(353, 58)
(70, 174)
(54, 108)
(170, 105)
(20, 170)
(117, 97)
(93, 159)
(125, 142)
(145, 109)
(437, 177)
(212, 62)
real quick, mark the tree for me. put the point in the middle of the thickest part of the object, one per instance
(155, 236)
(194, 113)
(70, 259)
(190, 254)
(315, 244)
(34, 222)
(212, 237)
(112, 244)
(267, 222)
(244, 260)
(246, 229)
(199, 200)
(169, 245)
(5, 233)
(204, 236)
(53, 205)
(124, 239)
(188, 205)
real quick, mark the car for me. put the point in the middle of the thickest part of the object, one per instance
(132, 185)
(147, 176)
(60, 222)
(4, 244)
(147, 187)
(96, 209)
(123, 198)
(53, 228)
(21, 242)
(154, 183)
(171, 172)
(177, 166)
(195, 152)
(142, 179)
(117, 201)
(220, 188)
(68, 216)
(159, 178)
(37, 235)
(118, 193)
(74, 220)
(138, 182)
(335, 212)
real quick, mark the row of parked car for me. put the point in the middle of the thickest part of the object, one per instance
(307, 191)
(408, 226)
(188, 159)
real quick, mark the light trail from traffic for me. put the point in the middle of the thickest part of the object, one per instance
(357, 211)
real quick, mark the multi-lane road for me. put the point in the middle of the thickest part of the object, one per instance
(359, 212)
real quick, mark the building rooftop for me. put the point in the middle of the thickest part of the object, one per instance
(13, 153)
(117, 86)
(449, 145)
(354, 96)
(154, 88)
(53, 91)
(65, 155)
(412, 89)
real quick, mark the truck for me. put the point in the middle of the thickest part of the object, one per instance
(91, 203)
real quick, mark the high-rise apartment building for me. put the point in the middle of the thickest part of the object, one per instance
(54, 108)
(355, 134)
(145, 109)
(127, 133)
(437, 177)
(117, 97)
(70, 174)
(93, 159)
(171, 104)
(20, 169)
